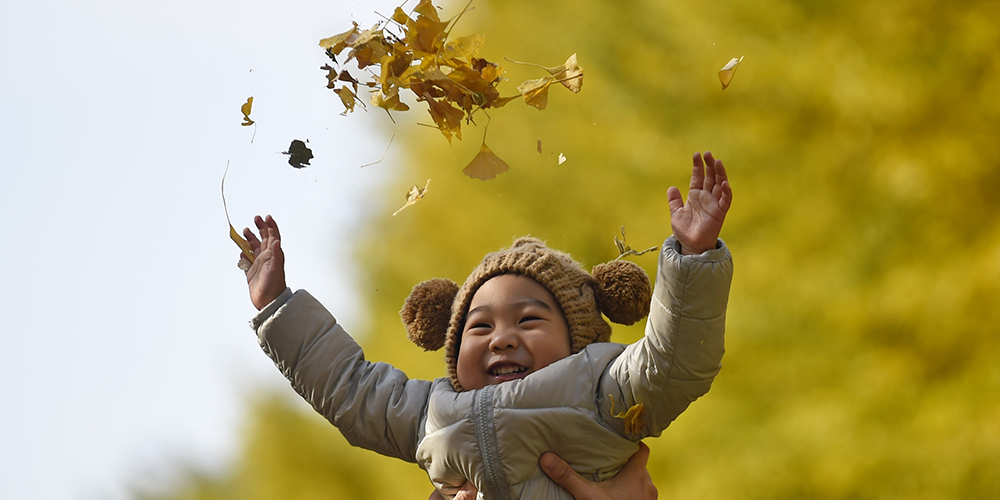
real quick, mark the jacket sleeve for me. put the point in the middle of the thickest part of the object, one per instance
(374, 405)
(681, 352)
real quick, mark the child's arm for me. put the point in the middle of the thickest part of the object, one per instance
(374, 405)
(681, 352)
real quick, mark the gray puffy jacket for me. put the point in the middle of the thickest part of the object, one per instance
(495, 435)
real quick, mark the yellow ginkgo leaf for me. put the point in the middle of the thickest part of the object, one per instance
(233, 234)
(337, 43)
(466, 46)
(727, 71)
(633, 417)
(413, 195)
(245, 108)
(348, 98)
(569, 74)
(536, 92)
(485, 165)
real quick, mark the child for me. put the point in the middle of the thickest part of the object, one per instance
(529, 366)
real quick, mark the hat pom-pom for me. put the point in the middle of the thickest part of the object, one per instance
(623, 291)
(427, 311)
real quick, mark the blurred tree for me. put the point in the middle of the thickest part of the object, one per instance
(860, 140)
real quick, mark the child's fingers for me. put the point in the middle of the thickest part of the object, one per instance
(709, 183)
(726, 200)
(274, 225)
(720, 178)
(252, 239)
(720, 172)
(262, 229)
(697, 172)
(674, 199)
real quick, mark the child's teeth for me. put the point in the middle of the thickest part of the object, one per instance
(507, 370)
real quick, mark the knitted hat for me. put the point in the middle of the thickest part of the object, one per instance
(434, 313)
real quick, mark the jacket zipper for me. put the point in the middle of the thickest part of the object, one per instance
(497, 487)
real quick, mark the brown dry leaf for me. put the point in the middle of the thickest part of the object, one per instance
(447, 117)
(569, 74)
(331, 76)
(233, 234)
(727, 71)
(413, 195)
(245, 108)
(536, 92)
(485, 165)
(633, 417)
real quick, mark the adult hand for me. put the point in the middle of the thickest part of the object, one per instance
(631, 483)
(467, 492)
(266, 277)
(697, 223)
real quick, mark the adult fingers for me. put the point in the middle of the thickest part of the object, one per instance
(635, 475)
(697, 172)
(638, 459)
(559, 471)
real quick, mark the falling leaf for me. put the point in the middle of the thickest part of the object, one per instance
(413, 195)
(569, 74)
(337, 43)
(485, 165)
(727, 71)
(466, 46)
(536, 92)
(245, 108)
(244, 245)
(299, 154)
(562, 158)
(633, 417)
(625, 249)
(415, 51)
(348, 98)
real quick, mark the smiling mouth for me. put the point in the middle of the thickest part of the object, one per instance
(505, 372)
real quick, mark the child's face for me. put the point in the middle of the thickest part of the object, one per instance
(514, 327)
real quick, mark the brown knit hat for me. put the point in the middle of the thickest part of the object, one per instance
(434, 313)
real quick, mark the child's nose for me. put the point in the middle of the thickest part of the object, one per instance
(504, 339)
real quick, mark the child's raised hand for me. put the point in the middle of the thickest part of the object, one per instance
(266, 276)
(697, 223)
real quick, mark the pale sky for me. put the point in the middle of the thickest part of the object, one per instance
(124, 331)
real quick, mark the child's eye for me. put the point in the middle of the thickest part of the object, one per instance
(530, 318)
(479, 326)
